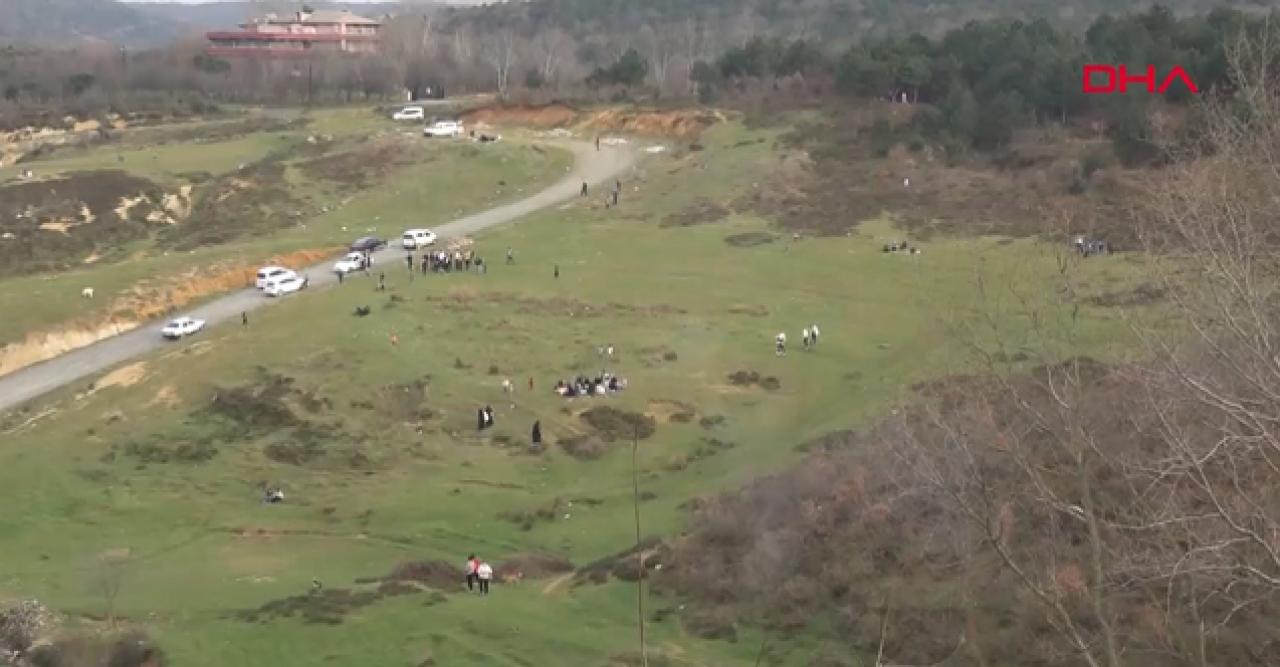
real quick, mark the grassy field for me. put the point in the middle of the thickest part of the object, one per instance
(158, 466)
(433, 182)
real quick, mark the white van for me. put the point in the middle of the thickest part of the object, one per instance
(410, 113)
(417, 238)
(271, 274)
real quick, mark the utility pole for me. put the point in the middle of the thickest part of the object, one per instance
(635, 498)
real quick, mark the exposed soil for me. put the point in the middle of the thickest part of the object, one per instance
(683, 124)
(434, 573)
(750, 239)
(540, 116)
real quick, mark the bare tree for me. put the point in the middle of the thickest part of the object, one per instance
(108, 573)
(499, 54)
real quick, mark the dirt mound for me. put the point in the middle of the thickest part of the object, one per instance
(324, 607)
(652, 552)
(680, 123)
(543, 116)
(434, 573)
(532, 566)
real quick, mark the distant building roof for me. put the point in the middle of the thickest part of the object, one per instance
(322, 16)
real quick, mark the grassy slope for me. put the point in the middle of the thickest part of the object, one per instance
(883, 320)
(449, 178)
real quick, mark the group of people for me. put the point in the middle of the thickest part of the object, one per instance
(600, 385)
(442, 261)
(478, 572)
(809, 337)
(895, 246)
(1089, 247)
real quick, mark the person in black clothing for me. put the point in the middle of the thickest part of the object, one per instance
(244, 319)
(382, 282)
(536, 437)
(488, 417)
(480, 419)
(408, 260)
(584, 188)
(557, 270)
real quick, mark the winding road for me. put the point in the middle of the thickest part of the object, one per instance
(591, 165)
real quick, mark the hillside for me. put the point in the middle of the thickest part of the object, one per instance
(53, 21)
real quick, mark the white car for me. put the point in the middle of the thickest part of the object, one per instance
(354, 261)
(444, 128)
(417, 238)
(183, 326)
(410, 113)
(270, 274)
(287, 286)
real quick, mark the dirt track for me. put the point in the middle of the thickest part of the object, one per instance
(33, 381)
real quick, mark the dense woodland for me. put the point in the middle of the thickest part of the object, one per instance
(973, 85)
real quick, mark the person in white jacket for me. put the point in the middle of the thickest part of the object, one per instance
(485, 573)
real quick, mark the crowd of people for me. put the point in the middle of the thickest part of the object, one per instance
(442, 261)
(601, 385)
(808, 336)
(900, 246)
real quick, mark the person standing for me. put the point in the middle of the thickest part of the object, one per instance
(584, 188)
(341, 274)
(597, 142)
(536, 436)
(780, 344)
(473, 564)
(484, 573)
(804, 337)
(557, 273)
(244, 319)
(480, 419)
(813, 334)
(511, 256)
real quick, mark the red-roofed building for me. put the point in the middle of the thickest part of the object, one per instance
(302, 33)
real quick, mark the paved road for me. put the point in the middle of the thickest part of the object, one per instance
(33, 381)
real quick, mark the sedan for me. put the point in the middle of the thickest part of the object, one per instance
(367, 244)
(287, 286)
(183, 326)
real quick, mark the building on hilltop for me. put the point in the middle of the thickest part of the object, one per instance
(300, 33)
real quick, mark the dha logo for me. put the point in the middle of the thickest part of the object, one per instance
(1118, 78)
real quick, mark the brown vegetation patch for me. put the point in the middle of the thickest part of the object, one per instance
(628, 565)
(583, 446)
(1145, 294)
(527, 519)
(54, 224)
(750, 239)
(434, 573)
(531, 566)
(362, 167)
(612, 424)
(329, 606)
(404, 402)
(465, 301)
(701, 211)
(664, 411)
(749, 378)
(256, 199)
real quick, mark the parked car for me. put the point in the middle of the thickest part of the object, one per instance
(287, 286)
(183, 326)
(270, 274)
(367, 244)
(444, 128)
(354, 261)
(410, 113)
(417, 238)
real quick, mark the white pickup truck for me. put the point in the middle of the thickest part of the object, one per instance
(443, 128)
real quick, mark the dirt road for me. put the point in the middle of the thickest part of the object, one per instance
(25, 384)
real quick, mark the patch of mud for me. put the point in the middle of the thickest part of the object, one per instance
(678, 123)
(702, 211)
(750, 239)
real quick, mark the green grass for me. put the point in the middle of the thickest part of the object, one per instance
(446, 180)
(624, 281)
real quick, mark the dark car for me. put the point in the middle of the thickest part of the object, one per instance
(367, 244)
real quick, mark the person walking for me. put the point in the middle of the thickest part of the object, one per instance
(584, 188)
(597, 142)
(481, 419)
(473, 564)
(511, 256)
(536, 436)
(244, 319)
(341, 274)
(780, 344)
(382, 282)
(804, 337)
(484, 573)
(557, 273)
(813, 335)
